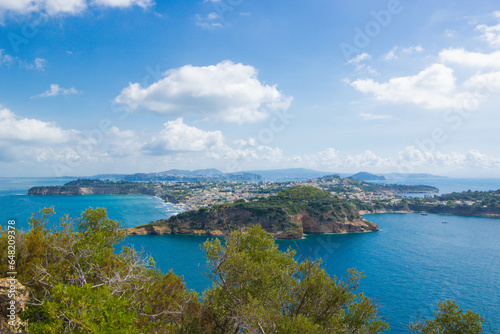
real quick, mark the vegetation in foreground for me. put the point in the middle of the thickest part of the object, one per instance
(78, 284)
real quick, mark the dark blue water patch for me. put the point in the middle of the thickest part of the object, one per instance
(411, 264)
(183, 254)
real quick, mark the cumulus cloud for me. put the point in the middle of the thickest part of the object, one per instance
(432, 88)
(411, 159)
(29, 130)
(227, 91)
(417, 158)
(484, 84)
(180, 137)
(470, 59)
(70, 7)
(56, 90)
(491, 34)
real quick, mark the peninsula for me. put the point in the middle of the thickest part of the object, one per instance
(290, 214)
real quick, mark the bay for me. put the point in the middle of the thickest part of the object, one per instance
(411, 264)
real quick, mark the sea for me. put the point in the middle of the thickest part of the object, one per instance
(413, 262)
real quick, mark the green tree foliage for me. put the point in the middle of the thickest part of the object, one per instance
(450, 319)
(78, 284)
(259, 289)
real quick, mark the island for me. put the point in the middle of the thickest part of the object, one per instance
(289, 214)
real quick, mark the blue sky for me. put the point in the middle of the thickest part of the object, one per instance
(125, 86)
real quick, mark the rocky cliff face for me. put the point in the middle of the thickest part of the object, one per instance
(278, 223)
(312, 225)
(13, 296)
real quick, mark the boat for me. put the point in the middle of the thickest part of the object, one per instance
(444, 222)
(423, 214)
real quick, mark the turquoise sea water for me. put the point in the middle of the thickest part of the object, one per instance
(131, 210)
(411, 264)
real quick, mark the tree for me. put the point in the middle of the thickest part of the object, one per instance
(78, 284)
(259, 289)
(450, 319)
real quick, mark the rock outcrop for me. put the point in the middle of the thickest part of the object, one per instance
(289, 215)
(13, 296)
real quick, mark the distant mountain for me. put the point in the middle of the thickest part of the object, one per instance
(110, 177)
(198, 172)
(365, 176)
(289, 174)
(193, 176)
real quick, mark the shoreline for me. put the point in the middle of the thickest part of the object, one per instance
(487, 215)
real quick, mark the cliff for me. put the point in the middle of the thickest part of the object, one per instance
(99, 187)
(289, 215)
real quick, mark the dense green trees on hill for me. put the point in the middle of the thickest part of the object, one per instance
(78, 284)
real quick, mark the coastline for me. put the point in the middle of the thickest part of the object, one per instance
(486, 215)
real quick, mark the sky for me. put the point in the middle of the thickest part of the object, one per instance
(128, 86)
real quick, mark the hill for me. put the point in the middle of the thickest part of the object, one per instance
(193, 176)
(290, 214)
(364, 176)
(100, 187)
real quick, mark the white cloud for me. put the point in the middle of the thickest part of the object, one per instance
(124, 3)
(21, 6)
(415, 158)
(391, 54)
(56, 90)
(71, 7)
(371, 117)
(29, 130)
(6, 59)
(227, 91)
(484, 84)
(64, 6)
(210, 22)
(360, 58)
(411, 159)
(470, 59)
(432, 88)
(178, 136)
(39, 64)
(413, 49)
(491, 34)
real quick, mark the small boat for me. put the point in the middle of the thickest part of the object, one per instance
(424, 214)
(444, 222)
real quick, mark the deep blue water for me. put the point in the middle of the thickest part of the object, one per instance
(411, 264)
